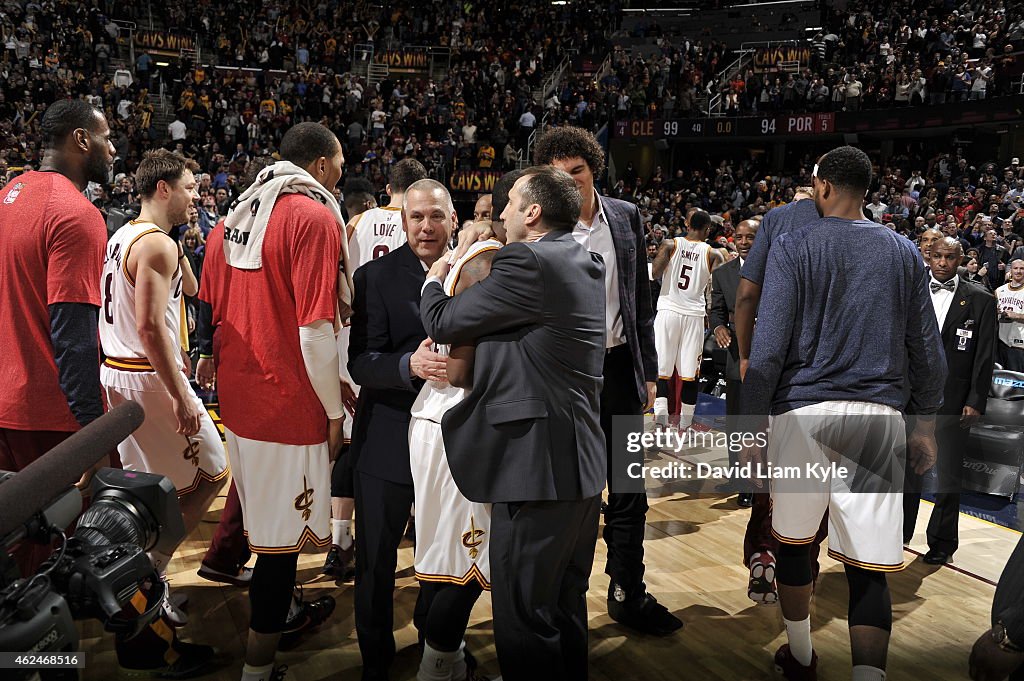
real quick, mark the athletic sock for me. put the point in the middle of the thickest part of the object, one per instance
(661, 407)
(686, 415)
(341, 533)
(435, 665)
(460, 671)
(800, 640)
(863, 672)
(263, 673)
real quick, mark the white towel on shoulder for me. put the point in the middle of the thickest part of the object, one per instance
(246, 223)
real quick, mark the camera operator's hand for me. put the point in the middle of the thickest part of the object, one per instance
(86, 479)
(187, 414)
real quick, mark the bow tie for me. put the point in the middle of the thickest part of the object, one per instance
(949, 286)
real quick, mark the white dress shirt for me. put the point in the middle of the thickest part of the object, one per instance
(597, 238)
(942, 299)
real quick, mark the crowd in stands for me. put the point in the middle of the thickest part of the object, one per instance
(868, 55)
(481, 114)
(982, 205)
(297, 66)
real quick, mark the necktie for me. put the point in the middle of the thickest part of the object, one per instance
(949, 286)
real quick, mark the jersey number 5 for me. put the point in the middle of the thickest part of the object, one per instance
(684, 278)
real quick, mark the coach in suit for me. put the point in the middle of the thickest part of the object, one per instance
(966, 314)
(389, 357)
(528, 437)
(612, 229)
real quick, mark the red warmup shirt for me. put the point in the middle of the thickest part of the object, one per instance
(51, 251)
(264, 391)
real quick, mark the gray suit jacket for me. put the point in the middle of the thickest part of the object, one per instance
(529, 430)
(635, 303)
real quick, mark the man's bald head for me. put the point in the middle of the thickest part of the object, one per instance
(945, 257)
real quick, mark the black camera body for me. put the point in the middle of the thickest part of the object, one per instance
(102, 571)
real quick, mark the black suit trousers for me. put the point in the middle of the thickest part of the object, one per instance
(943, 530)
(541, 555)
(382, 512)
(625, 518)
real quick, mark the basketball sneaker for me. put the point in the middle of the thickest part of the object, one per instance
(792, 670)
(761, 587)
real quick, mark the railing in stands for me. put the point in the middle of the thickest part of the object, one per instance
(604, 69)
(713, 88)
(550, 83)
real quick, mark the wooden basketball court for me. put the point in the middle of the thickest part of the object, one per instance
(694, 547)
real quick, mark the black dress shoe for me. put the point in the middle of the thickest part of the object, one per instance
(745, 499)
(644, 614)
(936, 557)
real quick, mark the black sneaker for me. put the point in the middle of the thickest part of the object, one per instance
(193, 660)
(341, 563)
(642, 613)
(311, 614)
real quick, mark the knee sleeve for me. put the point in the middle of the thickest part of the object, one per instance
(449, 614)
(342, 476)
(270, 591)
(870, 602)
(663, 387)
(793, 567)
(689, 393)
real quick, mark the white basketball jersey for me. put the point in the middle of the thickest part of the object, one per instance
(436, 398)
(377, 232)
(1011, 300)
(119, 337)
(688, 274)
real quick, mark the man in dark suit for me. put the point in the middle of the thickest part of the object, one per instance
(612, 229)
(724, 282)
(527, 438)
(966, 314)
(390, 356)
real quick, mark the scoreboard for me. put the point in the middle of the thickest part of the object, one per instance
(750, 126)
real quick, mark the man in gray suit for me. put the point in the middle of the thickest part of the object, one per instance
(528, 436)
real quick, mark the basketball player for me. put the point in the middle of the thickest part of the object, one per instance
(271, 279)
(1010, 300)
(144, 339)
(372, 233)
(484, 208)
(453, 533)
(833, 379)
(359, 197)
(758, 539)
(684, 265)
